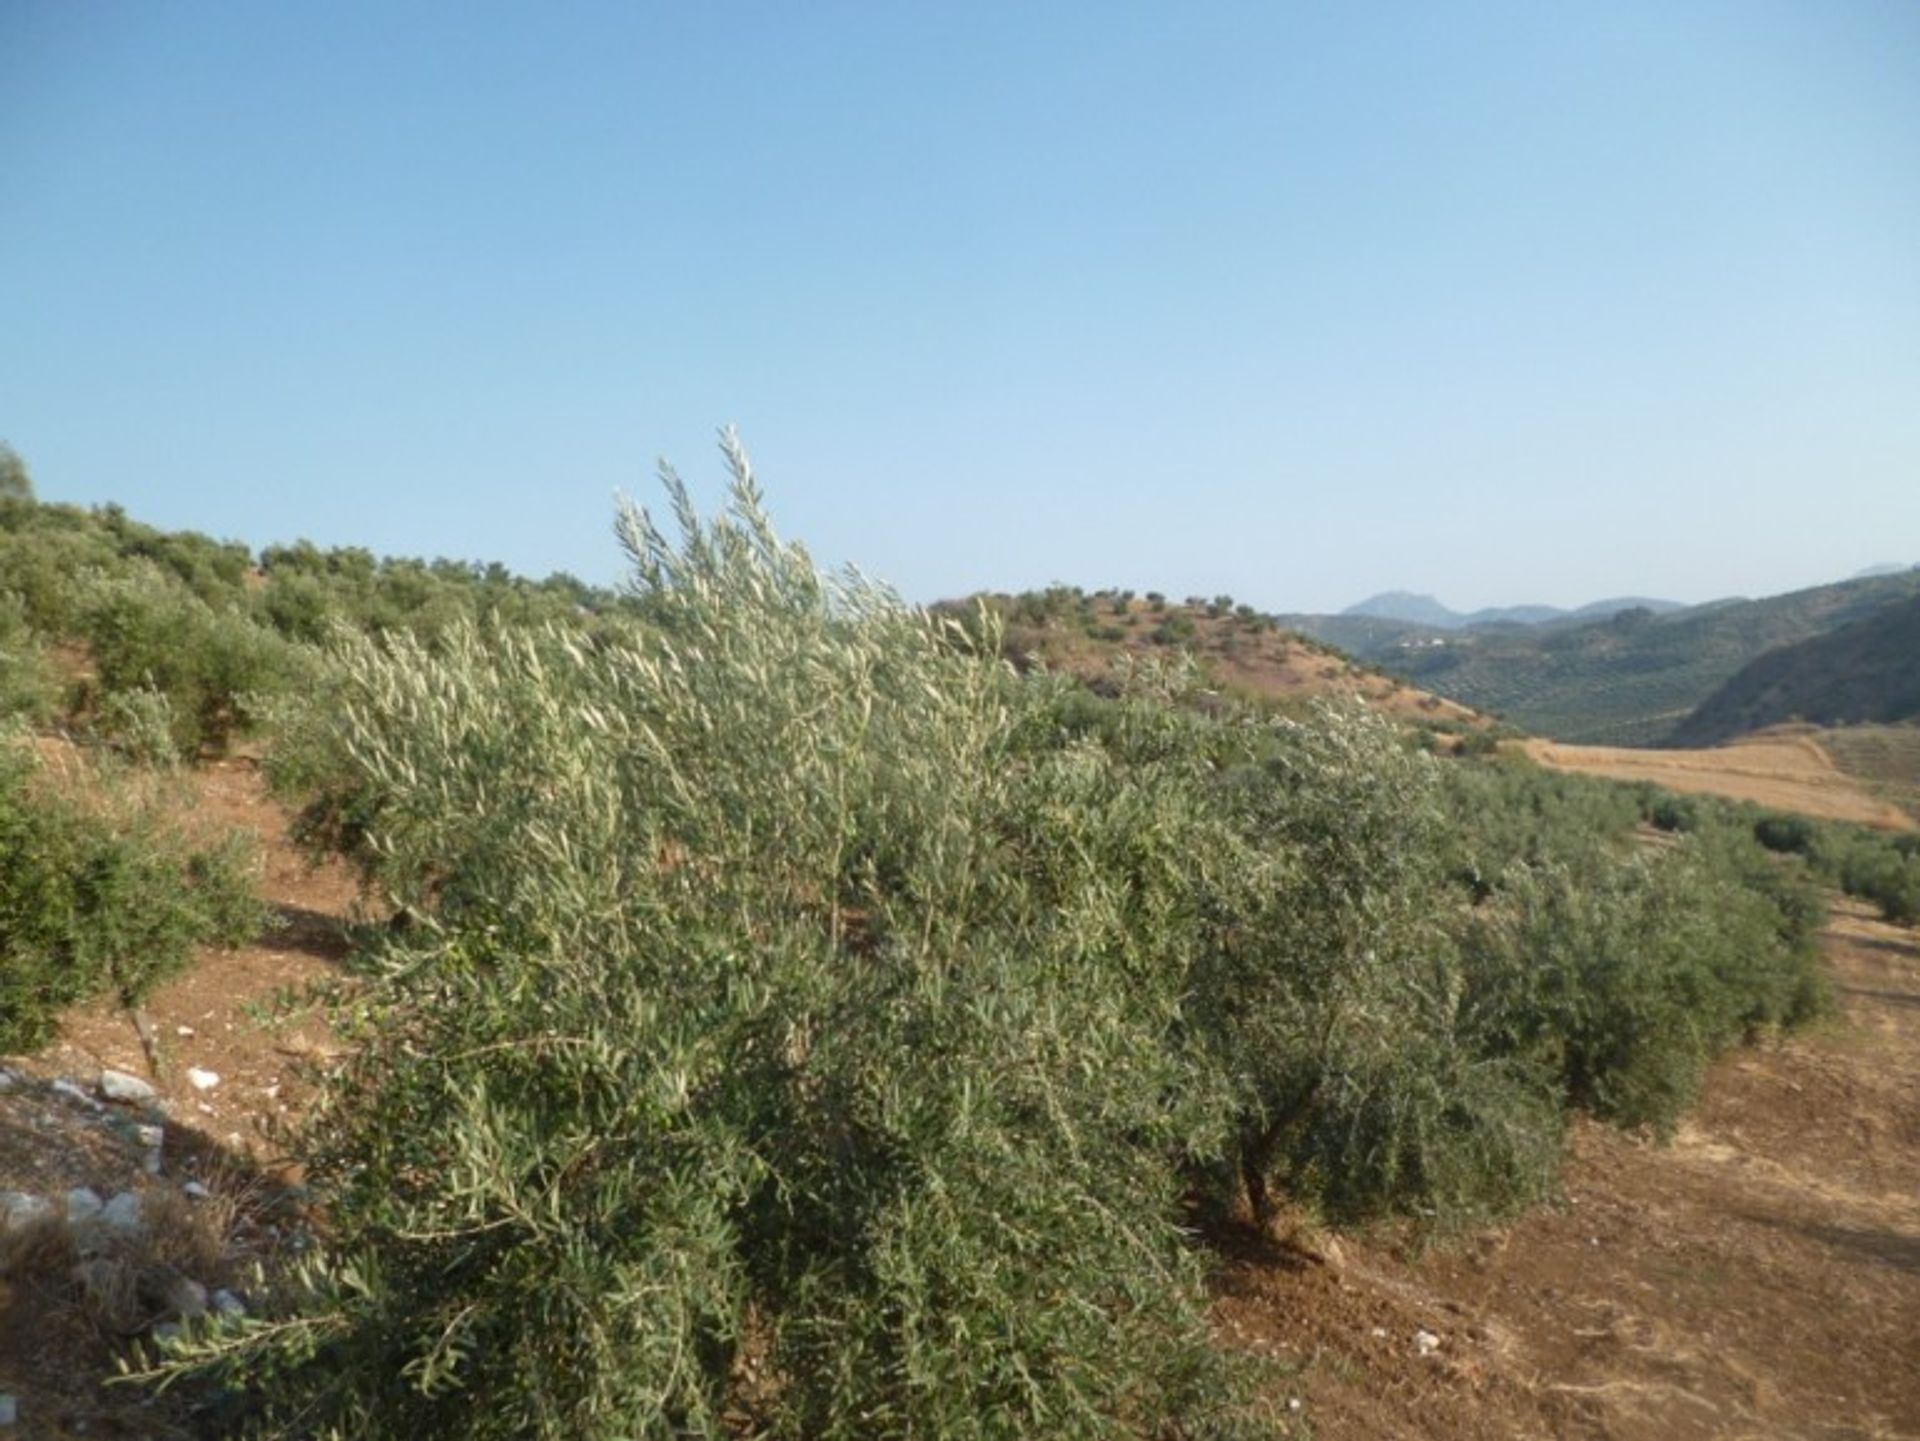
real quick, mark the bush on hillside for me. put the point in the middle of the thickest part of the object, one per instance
(216, 668)
(28, 690)
(774, 1004)
(91, 906)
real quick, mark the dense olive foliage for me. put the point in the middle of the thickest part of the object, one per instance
(178, 643)
(808, 1024)
(92, 904)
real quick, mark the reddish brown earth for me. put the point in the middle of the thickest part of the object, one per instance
(1238, 657)
(229, 1015)
(1759, 1277)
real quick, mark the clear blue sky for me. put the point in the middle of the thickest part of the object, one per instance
(1530, 302)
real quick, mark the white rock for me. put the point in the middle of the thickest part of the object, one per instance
(64, 1087)
(17, 1207)
(183, 1030)
(83, 1205)
(225, 1303)
(119, 1086)
(193, 1190)
(1425, 1342)
(122, 1213)
(202, 1080)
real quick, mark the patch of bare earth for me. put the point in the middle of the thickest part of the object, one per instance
(1759, 1277)
(1788, 772)
(220, 1018)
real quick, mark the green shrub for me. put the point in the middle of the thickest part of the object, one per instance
(27, 687)
(90, 906)
(216, 668)
(1668, 812)
(1787, 834)
(1629, 977)
(1874, 867)
(773, 1002)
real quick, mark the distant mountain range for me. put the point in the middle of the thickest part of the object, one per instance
(1403, 605)
(1636, 678)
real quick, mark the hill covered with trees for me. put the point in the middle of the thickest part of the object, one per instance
(1635, 677)
(1865, 671)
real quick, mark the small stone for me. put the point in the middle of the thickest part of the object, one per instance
(8, 1079)
(1379, 1333)
(183, 1030)
(64, 1087)
(9, 1411)
(119, 1086)
(1425, 1342)
(195, 1191)
(83, 1205)
(202, 1080)
(186, 1298)
(1293, 1403)
(17, 1208)
(122, 1213)
(225, 1303)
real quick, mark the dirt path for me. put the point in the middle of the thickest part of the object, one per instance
(1760, 1277)
(1788, 772)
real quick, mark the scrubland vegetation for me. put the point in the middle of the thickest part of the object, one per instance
(92, 902)
(805, 1023)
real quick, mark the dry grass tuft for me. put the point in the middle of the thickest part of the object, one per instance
(120, 1283)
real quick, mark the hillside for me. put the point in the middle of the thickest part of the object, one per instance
(1241, 652)
(1868, 670)
(1780, 770)
(1633, 678)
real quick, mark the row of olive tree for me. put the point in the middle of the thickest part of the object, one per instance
(812, 1027)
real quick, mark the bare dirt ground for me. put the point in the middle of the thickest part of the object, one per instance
(1759, 1277)
(1786, 771)
(223, 1017)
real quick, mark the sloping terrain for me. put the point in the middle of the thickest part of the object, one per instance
(1240, 652)
(1757, 1278)
(1789, 772)
(1868, 670)
(1634, 678)
(218, 1193)
(1886, 759)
